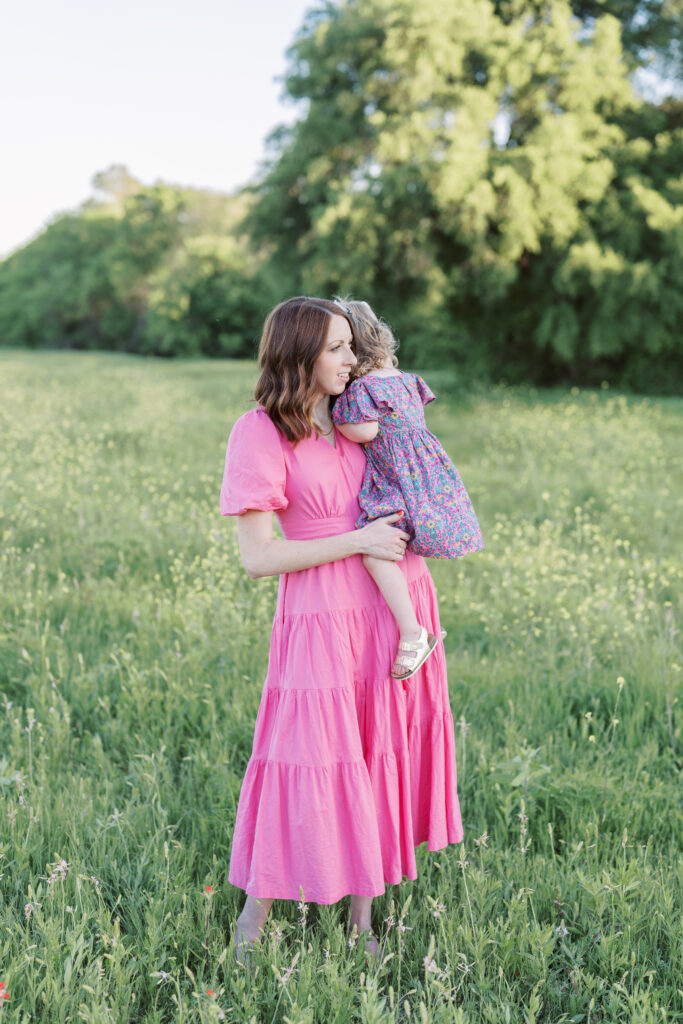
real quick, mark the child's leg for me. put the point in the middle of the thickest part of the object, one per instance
(394, 587)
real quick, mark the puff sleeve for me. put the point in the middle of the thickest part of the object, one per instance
(355, 405)
(255, 473)
(425, 393)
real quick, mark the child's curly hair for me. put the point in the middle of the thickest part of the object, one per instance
(374, 340)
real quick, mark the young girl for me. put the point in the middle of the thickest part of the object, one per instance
(407, 472)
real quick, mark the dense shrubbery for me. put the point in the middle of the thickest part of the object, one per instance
(157, 270)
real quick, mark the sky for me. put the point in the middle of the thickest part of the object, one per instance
(185, 92)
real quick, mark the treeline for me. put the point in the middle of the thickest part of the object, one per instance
(156, 270)
(483, 173)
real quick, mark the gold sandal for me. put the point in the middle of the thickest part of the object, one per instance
(421, 649)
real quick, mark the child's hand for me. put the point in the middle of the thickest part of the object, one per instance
(382, 540)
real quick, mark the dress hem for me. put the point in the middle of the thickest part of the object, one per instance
(372, 895)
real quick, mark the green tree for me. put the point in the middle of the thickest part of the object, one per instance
(141, 269)
(454, 166)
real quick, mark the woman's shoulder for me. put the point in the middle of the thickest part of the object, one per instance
(255, 473)
(255, 419)
(255, 427)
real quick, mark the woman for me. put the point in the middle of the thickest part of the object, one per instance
(350, 769)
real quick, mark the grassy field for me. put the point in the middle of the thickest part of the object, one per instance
(132, 654)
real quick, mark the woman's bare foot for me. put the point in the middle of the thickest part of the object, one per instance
(244, 945)
(249, 927)
(371, 944)
(360, 924)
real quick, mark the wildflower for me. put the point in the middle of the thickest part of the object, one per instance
(438, 910)
(59, 872)
(482, 840)
(430, 966)
(561, 930)
(4, 994)
(209, 991)
(95, 881)
(389, 921)
(28, 910)
(208, 889)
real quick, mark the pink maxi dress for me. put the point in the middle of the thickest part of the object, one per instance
(350, 769)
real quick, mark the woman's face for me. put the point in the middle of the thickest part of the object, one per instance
(334, 364)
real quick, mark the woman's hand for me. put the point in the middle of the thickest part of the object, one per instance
(382, 540)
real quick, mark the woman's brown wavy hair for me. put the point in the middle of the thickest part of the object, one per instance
(294, 335)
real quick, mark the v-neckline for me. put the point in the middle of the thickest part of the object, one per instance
(334, 446)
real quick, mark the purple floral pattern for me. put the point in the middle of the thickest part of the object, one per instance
(408, 469)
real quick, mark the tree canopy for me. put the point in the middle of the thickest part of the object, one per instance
(486, 175)
(158, 270)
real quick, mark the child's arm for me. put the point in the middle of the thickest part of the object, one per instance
(359, 432)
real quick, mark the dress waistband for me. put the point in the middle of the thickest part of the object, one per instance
(309, 529)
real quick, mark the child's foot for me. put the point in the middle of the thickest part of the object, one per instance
(412, 653)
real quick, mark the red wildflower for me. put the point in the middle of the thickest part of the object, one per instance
(4, 994)
(208, 889)
(209, 991)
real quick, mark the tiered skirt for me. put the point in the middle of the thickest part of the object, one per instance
(351, 769)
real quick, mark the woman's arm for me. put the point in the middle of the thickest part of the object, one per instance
(359, 432)
(263, 554)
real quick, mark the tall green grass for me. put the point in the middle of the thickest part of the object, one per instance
(132, 654)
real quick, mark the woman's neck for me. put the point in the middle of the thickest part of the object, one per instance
(321, 412)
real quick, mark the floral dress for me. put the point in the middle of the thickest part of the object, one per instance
(407, 468)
